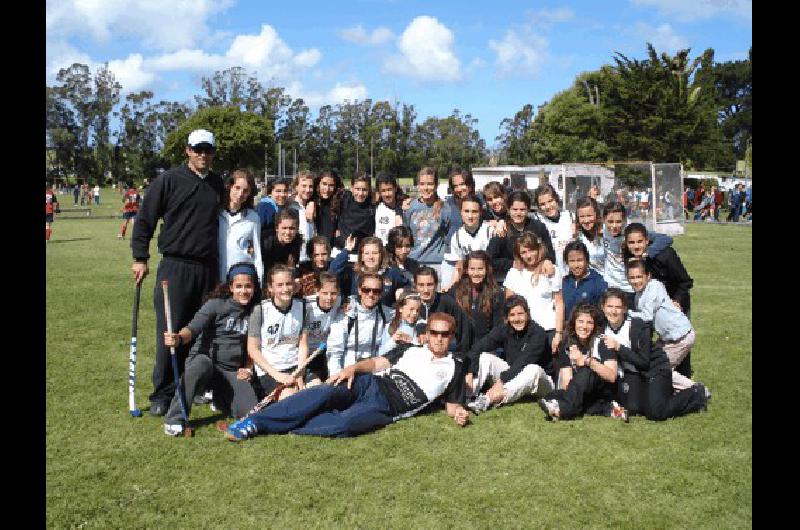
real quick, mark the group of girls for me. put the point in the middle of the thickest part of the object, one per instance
(546, 304)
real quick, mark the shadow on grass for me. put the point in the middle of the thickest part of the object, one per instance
(54, 241)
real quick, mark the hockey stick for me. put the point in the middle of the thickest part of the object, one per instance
(187, 431)
(275, 394)
(135, 412)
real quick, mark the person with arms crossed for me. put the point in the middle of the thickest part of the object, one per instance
(187, 198)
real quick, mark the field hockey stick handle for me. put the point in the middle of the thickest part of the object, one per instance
(167, 311)
(136, 297)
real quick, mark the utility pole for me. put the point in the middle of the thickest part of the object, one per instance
(278, 169)
(371, 165)
(294, 161)
(356, 156)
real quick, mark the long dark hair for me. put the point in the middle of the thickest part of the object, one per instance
(399, 196)
(587, 309)
(487, 291)
(630, 229)
(583, 202)
(397, 234)
(251, 183)
(337, 185)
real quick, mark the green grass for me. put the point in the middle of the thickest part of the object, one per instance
(510, 468)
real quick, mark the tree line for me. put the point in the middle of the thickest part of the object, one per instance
(662, 108)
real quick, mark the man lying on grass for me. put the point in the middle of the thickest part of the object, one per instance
(410, 379)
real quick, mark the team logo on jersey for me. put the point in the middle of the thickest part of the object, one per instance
(244, 242)
(384, 220)
(313, 326)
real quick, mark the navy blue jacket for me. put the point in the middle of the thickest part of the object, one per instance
(588, 289)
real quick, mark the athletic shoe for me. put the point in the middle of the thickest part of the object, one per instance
(213, 408)
(618, 411)
(173, 429)
(700, 387)
(203, 399)
(479, 404)
(550, 408)
(119, 236)
(241, 430)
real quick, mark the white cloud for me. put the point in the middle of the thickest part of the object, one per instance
(426, 52)
(359, 35)
(520, 55)
(307, 58)
(60, 54)
(130, 74)
(689, 10)
(160, 25)
(338, 94)
(552, 16)
(663, 37)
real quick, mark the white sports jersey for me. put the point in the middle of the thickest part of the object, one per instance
(280, 334)
(597, 252)
(462, 242)
(318, 321)
(561, 233)
(384, 221)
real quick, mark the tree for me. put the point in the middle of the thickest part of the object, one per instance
(734, 90)
(240, 137)
(514, 140)
(106, 97)
(75, 94)
(232, 86)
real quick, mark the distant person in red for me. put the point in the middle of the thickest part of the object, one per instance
(130, 207)
(50, 208)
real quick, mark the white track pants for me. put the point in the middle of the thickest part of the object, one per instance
(530, 380)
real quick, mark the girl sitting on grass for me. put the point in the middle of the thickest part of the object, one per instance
(588, 371)
(277, 338)
(217, 357)
(653, 304)
(645, 386)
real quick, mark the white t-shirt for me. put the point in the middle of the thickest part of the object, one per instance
(384, 221)
(597, 252)
(305, 228)
(540, 297)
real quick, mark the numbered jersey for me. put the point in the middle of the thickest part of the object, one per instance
(280, 334)
(50, 201)
(561, 233)
(131, 201)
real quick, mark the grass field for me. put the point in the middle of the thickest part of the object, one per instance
(509, 468)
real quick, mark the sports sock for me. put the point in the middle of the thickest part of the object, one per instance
(47, 234)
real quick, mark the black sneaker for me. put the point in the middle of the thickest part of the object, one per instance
(158, 409)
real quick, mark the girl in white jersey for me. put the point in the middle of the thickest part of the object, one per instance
(239, 226)
(388, 212)
(322, 308)
(277, 338)
(559, 223)
(474, 234)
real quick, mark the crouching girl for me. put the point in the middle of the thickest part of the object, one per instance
(217, 357)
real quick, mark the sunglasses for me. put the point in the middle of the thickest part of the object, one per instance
(203, 149)
(367, 290)
(438, 333)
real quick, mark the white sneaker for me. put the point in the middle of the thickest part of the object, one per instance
(479, 404)
(173, 429)
(550, 408)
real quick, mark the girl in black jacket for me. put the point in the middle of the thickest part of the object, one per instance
(478, 294)
(666, 267)
(493, 380)
(645, 386)
(354, 211)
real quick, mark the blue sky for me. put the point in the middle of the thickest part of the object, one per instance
(487, 59)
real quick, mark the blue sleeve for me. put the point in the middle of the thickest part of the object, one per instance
(337, 264)
(658, 242)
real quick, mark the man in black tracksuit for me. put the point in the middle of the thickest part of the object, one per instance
(187, 198)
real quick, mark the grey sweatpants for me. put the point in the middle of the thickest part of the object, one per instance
(231, 395)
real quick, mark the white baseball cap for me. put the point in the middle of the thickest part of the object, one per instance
(201, 136)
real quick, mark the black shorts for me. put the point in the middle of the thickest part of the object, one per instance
(48, 218)
(129, 215)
